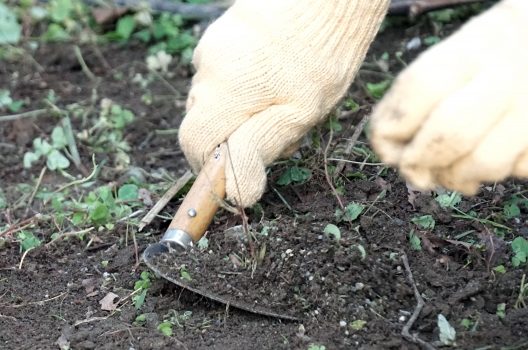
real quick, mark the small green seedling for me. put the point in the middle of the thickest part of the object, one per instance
(426, 222)
(332, 230)
(467, 323)
(377, 90)
(173, 319)
(6, 101)
(295, 175)
(352, 211)
(501, 310)
(184, 274)
(140, 320)
(449, 200)
(500, 269)
(358, 325)
(520, 248)
(54, 152)
(415, 241)
(10, 29)
(27, 240)
(165, 328)
(141, 287)
(316, 347)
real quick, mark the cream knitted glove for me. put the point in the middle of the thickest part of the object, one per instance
(268, 71)
(457, 116)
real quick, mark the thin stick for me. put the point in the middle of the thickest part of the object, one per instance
(22, 224)
(135, 248)
(39, 181)
(407, 328)
(69, 234)
(354, 162)
(86, 70)
(39, 302)
(327, 175)
(23, 257)
(83, 180)
(171, 192)
(352, 143)
(72, 146)
(414, 8)
(30, 114)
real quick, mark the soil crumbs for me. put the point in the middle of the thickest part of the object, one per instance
(346, 292)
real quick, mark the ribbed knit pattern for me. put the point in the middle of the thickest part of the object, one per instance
(267, 72)
(456, 117)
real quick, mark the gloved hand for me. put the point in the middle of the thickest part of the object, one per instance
(457, 116)
(267, 72)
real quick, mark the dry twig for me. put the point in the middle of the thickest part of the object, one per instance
(406, 331)
(351, 143)
(171, 192)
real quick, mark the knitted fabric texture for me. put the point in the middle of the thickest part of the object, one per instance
(456, 117)
(266, 72)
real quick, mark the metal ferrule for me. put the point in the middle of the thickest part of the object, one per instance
(177, 239)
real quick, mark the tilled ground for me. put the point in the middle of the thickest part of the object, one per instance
(354, 293)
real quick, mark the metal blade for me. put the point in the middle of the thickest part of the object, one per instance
(152, 255)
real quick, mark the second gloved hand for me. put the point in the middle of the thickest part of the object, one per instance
(457, 116)
(267, 72)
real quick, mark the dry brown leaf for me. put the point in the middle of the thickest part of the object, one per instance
(107, 303)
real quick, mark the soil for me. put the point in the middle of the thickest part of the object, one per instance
(348, 293)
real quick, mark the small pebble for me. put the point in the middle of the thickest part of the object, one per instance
(402, 318)
(414, 43)
(342, 323)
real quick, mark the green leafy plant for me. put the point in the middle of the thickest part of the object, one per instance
(316, 347)
(426, 222)
(467, 323)
(63, 19)
(184, 273)
(377, 90)
(141, 287)
(500, 269)
(295, 175)
(449, 200)
(27, 240)
(332, 230)
(501, 310)
(358, 325)
(53, 152)
(352, 211)
(6, 101)
(166, 32)
(107, 134)
(165, 328)
(520, 250)
(173, 318)
(415, 241)
(10, 29)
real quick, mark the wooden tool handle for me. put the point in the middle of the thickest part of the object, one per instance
(201, 203)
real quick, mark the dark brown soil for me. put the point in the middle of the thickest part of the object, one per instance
(344, 298)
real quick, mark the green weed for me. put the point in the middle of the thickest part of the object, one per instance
(173, 318)
(141, 287)
(294, 175)
(53, 152)
(6, 101)
(352, 211)
(333, 231)
(415, 241)
(10, 29)
(426, 222)
(520, 248)
(27, 240)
